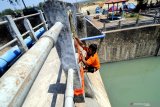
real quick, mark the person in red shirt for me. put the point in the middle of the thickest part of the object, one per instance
(91, 60)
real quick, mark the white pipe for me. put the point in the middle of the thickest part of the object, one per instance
(69, 89)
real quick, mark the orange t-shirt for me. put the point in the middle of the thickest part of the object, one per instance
(94, 61)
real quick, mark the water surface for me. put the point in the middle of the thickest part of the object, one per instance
(134, 83)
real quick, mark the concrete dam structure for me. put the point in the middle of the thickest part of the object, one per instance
(130, 43)
(49, 74)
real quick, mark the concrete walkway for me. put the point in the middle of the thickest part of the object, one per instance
(99, 89)
(49, 87)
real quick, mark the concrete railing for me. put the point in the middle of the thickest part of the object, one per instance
(16, 82)
(24, 42)
(15, 32)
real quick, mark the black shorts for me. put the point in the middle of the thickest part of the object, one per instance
(91, 69)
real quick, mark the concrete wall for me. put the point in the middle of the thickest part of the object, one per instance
(129, 44)
(81, 26)
(91, 30)
(85, 28)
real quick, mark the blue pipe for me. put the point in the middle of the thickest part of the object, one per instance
(93, 37)
(8, 57)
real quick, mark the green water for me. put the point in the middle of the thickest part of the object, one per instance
(134, 83)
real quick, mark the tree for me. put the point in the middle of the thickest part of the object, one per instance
(141, 5)
(0, 14)
(16, 2)
(40, 5)
(8, 12)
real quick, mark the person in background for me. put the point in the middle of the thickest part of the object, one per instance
(88, 13)
(98, 10)
(91, 61)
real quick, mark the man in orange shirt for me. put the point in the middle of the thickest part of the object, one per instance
(91, 60)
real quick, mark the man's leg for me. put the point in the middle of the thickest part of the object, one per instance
(91, 69)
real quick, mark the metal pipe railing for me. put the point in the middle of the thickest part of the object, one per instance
(3, 22)
(7, 44)
(38, 26)
(69, 94)
(19, 18)
(12, 41)
(27, 16)
(25, 33)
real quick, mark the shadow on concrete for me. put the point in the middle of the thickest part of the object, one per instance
(57, 88)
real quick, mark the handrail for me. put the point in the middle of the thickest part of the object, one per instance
(19, 18)
(12, 41)
(38, 26)
(3, 22)
(69, 94)
(25, 33)
(7, 44)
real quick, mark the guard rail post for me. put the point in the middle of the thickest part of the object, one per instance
(28, 27)
(155, 17)
(137, 20)
(119, 24)
(104, 26)
(43, 19)
(15, 33)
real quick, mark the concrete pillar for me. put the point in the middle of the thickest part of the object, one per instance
(28, 26)
(81, 26)
(157, 51)
(43, 20)
(57, 11)
(119, 24)
(15, 33)
(137, 20)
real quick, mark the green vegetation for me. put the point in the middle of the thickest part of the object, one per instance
(18, 11)
(7, 12)
(131, 15)
(141, 5)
